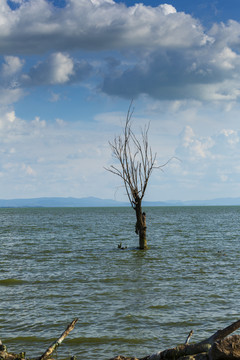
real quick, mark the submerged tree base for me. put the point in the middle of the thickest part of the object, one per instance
(217, 347)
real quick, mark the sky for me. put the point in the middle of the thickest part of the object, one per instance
(69, 70)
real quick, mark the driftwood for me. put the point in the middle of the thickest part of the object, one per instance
(217, 347)
(5, 355)
(56, 343)
(208, 349)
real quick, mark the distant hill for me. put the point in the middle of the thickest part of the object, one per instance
(96, 202)
(61, 202)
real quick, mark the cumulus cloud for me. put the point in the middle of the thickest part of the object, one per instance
(10, 95)
(10, 71)
(156, 51)
(92, 25)
(11, 127)
(226, 34)
(58, 69)
(11, 66)
(207, 73)
(40, 158)
(194, 148)
(208, 160)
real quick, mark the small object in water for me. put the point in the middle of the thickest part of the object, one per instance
(121, 247)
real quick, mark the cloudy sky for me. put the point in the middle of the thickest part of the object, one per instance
(69, 69)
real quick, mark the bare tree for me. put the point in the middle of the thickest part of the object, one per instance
(136, 164)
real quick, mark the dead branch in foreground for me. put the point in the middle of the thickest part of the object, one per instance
(4, 355)
(216, 347)
(56, 343)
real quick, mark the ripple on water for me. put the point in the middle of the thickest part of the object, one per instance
(58, 264)
(11, 282)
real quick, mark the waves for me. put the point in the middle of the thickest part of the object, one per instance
(11, 282)
(58, 264)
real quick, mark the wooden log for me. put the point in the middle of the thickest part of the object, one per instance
(201, 356)
(180, 351)
(5, 355)
(221, 334)
(212, 348)
(227, 348)
(189, 351)
(56, 343)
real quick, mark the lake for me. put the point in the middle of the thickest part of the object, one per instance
(60, 263)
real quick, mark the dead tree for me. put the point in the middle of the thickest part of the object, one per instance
(136, 164)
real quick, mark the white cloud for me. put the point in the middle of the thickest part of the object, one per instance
(11, 127)
(231, 136)
(168, 9)
(58, 158)
(38, 123)
(187, 136)
(226, 34)
(12, 66)
(57, 69)
(226, 58)
(206, 161)
(10, 96)
(192, 147)
(94, 25)
(28, 170)
(201, 73)
(99, 2)
(11, 116)
(10, 90)
(111, 118)
(54, 97)
(156, 51)
(62, 68)
(60, 122)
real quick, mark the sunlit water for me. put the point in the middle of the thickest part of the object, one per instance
(60, 263)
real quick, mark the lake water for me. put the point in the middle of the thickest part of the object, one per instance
(60, 263)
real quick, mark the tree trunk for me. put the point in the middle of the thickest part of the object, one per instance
(142, 239)
(141, 228)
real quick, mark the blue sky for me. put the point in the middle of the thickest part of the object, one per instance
(69, 69)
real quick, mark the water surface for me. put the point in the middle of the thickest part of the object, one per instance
(60, 263)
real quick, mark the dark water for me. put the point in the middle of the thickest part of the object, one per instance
(57, 264)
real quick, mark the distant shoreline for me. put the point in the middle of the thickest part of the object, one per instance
(46, 202)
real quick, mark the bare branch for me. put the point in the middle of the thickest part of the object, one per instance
(136, 160)
(56, 343)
